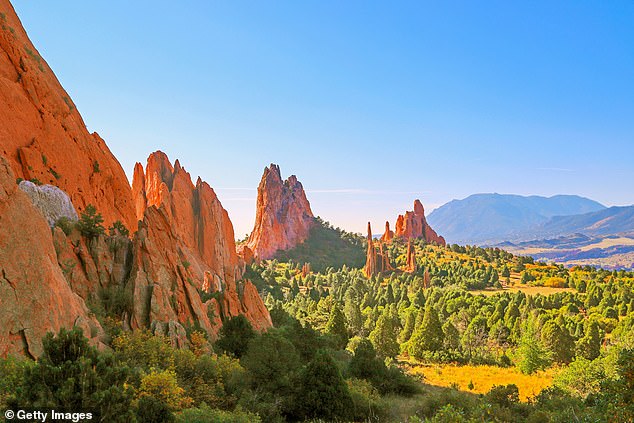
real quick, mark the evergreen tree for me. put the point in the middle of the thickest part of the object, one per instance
(533, 355)
(90, 222)
(451, 337)
(353, 314)
(71, 376)
(323, 393)
(427, 337)
(383, 336)
(589, 346)
(271, 361)
(558, 341)
(336, 327)
(235, 335)
(408, 329)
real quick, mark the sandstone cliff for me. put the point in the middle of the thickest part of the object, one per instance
(43, 136)
(283, 215)
(34, 295)
(186, 241)
(414, 225)
(178, 269)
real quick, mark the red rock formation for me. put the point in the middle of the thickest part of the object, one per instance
(305, 270)
(414, 225)
(183, 250)
(376, 261)
(386, 266)
(388, 234)
(246, 254)
(187, 239)
(283, 216)
(43, 136)
(410, 265)
(370, 261)
(34, 295)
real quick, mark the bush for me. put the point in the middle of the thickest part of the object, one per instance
(235, 335)
(365, 402)
(163, 386)
(116, 300)
(72, 376)
(12, 372)
(118, 228)
(206, 414)
(153, 410)
(66, 225)
(504, 396)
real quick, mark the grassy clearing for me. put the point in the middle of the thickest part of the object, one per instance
(527, 289)
(483, 378)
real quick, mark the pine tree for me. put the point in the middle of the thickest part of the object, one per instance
(533, 355)
(589, 346)
(451, 337)
(408, 329)
(558, 341)
(429, 336)
(336, 327)
(323, 393)
(383, 336)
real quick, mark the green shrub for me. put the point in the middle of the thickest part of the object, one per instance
(118, 228)
(206, 414)
(65, 224)
(90, 222)
(235, 335)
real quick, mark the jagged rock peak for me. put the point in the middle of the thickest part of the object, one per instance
(388, 234)
(283, 215)
(377, 260)
(414, 225)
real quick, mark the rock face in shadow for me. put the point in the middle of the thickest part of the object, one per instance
(35, 297)
(44, 138)
(283, 216)
(414, 225)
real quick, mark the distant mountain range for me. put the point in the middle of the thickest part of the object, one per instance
(492, 218)
(565, 228)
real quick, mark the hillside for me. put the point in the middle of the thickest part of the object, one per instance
(482, 218)
(613, 220)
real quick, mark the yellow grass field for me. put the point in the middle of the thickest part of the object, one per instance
(483, 378)
(527, 289)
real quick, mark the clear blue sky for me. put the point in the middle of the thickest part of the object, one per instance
(371, 104)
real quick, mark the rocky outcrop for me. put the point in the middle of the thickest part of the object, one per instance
(185, 253)
(414, 225)
(305, 270)
(370, 261)
(283, 216)
(388, 234)
(51, 201)
(410, 264)
(44, 138)
(179, 269)
(35, 297)
(377, 261)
